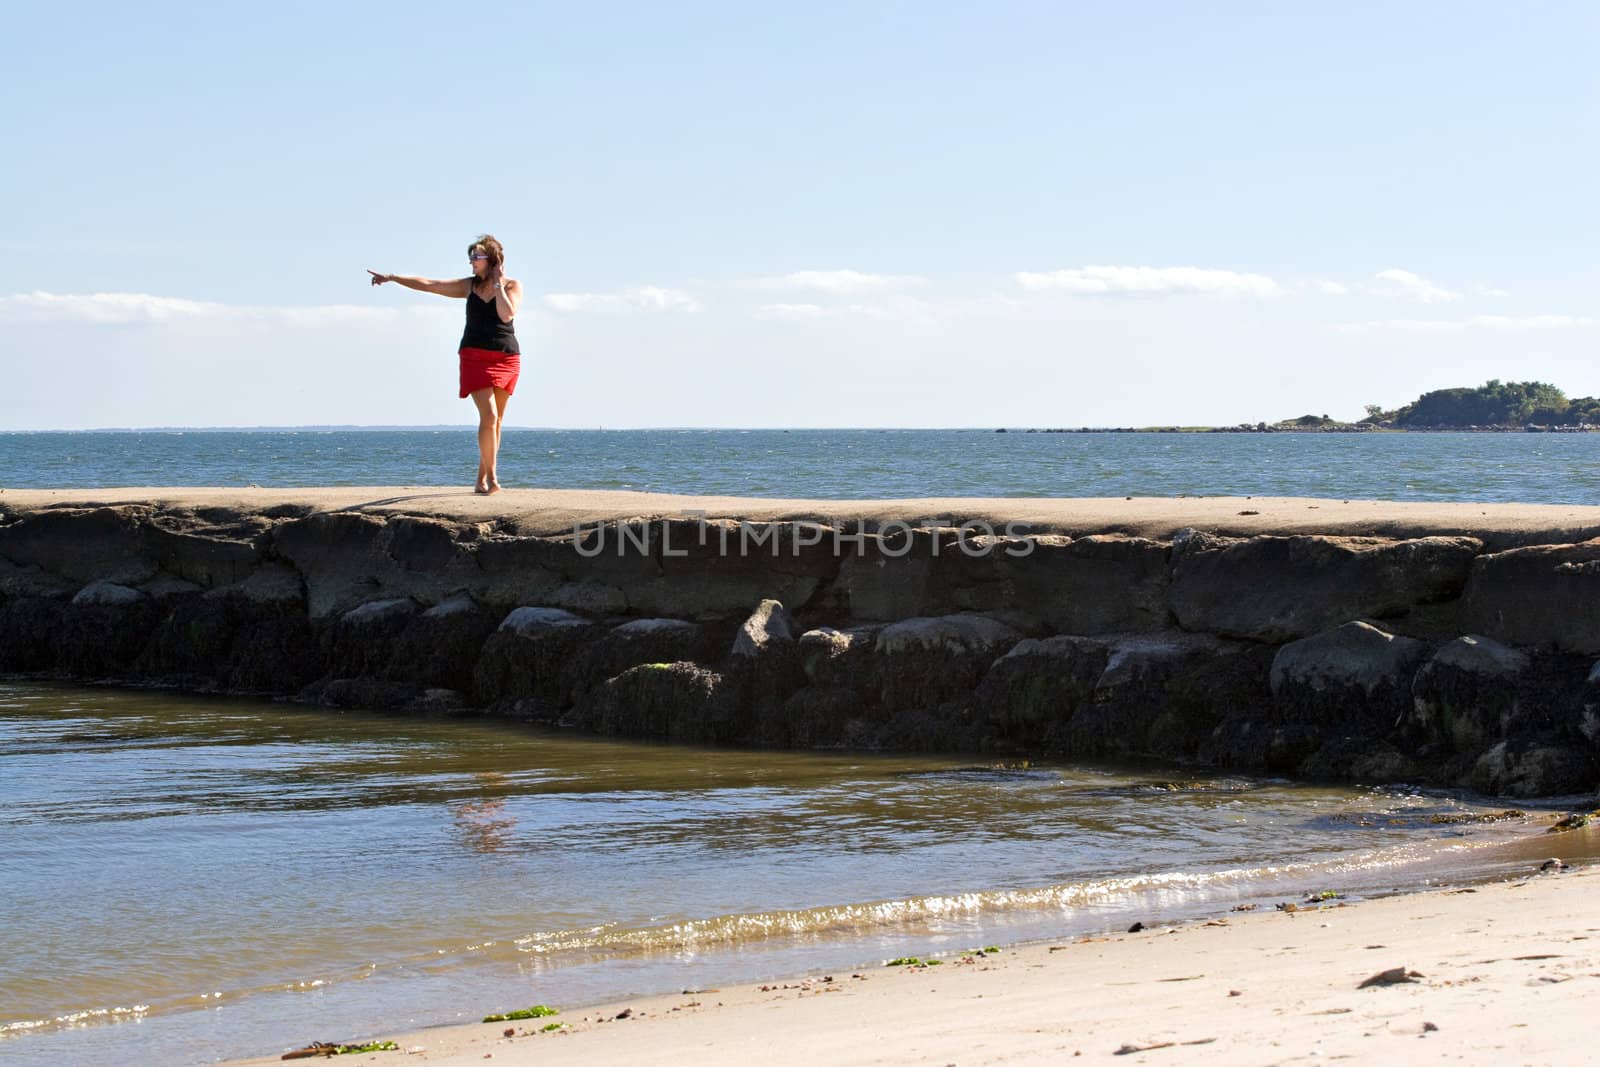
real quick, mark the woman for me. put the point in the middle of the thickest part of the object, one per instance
(490, 357)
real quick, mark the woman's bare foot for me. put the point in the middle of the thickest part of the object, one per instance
(483, 489)
(494, 487)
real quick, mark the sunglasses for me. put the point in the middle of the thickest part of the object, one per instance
(477, 257)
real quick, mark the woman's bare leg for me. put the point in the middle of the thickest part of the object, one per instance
(488, 438)
(501, 399)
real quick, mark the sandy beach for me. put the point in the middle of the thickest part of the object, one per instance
(1490, 973)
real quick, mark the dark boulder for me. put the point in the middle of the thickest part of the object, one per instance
(1541, 595)
(1031, 693)
(361, 641)
(439, 648)
(530, 658)
(666, 702)
(103, 630)
(1273, 588)
(1534, 769)
(1466, 698)
(921, 663)
(1356, 676)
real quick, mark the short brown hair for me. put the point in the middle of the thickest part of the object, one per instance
(490, 247)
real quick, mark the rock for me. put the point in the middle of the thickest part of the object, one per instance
(1482, 656)
(1349, 662)
(1032, 692)
(533, 621)
(103, 630)
(1161, 695)
(1102, 583)
(348, 558)
(738, 564)
(765, 664)
(1335, 698)
(439, 648)
(253, 636)
(523, 570)
(951, 725)
(831, 657)
(922, 663)
(1085, 585)
(633, 643)
(274, 649)
(107, 594)
(664, 701)
(1276, 589)
(438, 701)
(379, 612)
(362, 641)
(531, 657)
(451, 607)
(80, 545)
(878, 586)
(648, 629)
(1589, 719)
(1466, 697)
(191, 646)
(767, 628)
(1134, 659)
(596, 598)
(1533, 770)
(1538, 595)
(28, 628)
(31, 581)
(946, 635)
(202, 552)
(365, 694)
(426, 545)
(271, 584)
(812, 717)
(169, 587)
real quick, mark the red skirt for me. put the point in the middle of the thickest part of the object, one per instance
(482, 368)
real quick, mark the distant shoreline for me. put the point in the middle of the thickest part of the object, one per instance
(1347, 428)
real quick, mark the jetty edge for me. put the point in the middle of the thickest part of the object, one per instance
(1450, 644)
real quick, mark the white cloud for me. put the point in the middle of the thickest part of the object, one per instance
(793, 312)
(1477, 322)
(847, 281)
(1489, 290)
(104, 307)
(130, 308)
(1150, 281)
(1405, 283)
(1332, 288)
(639, 298)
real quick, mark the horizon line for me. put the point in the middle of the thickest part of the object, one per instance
(555, 429)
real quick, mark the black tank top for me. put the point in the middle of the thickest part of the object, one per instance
(485, 328)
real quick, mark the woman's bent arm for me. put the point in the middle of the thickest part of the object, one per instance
(457, 288)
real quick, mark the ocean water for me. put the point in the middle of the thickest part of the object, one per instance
(838, 464)
(188, 879)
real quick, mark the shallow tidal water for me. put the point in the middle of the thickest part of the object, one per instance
(188, 879)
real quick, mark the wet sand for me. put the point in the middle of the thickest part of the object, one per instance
(1494, 973)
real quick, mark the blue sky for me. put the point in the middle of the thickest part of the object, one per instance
(815, 215)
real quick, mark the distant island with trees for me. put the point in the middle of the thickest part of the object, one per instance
(1494, 406)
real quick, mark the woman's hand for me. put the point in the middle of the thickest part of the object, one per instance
(497, 275)
(379, 279)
